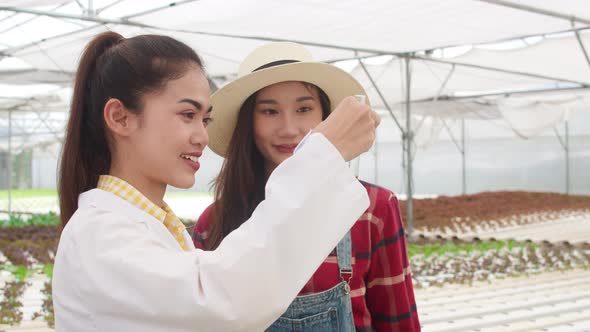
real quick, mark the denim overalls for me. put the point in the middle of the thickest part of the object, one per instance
(330, 310)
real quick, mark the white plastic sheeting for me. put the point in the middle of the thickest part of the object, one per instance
(560, 57)
(47, 49)
(428, 81)
(31, 115)
(529, 117)
(526, 115)
(494, 158)
(384, 26)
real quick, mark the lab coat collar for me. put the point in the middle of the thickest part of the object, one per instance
(104, 200)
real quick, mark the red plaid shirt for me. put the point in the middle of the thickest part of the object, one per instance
(381, 285)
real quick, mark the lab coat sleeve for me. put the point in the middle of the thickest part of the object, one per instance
(312, 200)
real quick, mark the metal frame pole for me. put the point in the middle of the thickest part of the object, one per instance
(582, 47)
(9, 168)
(565, 145)
(385, 103)
(500, 70)
(503, 93)
(128, 22)
(567, 158)
(463, 167)
(408, 140)
(376, 156)
(536, 10)
(461, 148)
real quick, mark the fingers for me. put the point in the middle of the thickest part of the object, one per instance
(373, 120)
(376, 118)
(361, 100)
(350, 127)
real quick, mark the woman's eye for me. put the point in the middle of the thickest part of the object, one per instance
(304, 109)
(207, 121)
(189, 115)
(269, 111)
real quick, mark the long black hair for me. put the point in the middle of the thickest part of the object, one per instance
(111, 67)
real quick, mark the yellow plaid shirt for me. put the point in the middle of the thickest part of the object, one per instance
(127, 192)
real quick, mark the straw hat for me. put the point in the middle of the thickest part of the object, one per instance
(266, 65)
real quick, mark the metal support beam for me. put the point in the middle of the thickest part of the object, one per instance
(7, 17)
(582, 47)
(567, 158)
(408, 139)
(513, 72)
(497, 41)
(503, 93)
(269, 39)
(114, 3)
(50, 128)
(9, 168)
(565, 145)
(153, 10)
(381, 95)
(404, 164)
(561, 141)
(80, 5)
(72, 16)
(461, 148)
(11, 51)
(376, 156)
(127, 22)
(463, 155)
(82, 18)
(536, 10)
(19, 24)
(445, 82)
(488, 42)
(356, 57)
(28, 134)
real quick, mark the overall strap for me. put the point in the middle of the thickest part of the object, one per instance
(344, 253)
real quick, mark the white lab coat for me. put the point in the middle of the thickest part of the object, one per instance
(119, 269)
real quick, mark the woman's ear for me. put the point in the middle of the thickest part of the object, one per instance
(119, 120)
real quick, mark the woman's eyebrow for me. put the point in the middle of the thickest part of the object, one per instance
(304, 98)
(272, 101)
(195, 103)
(266, 101)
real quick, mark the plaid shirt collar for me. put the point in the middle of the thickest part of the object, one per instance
(164, 214)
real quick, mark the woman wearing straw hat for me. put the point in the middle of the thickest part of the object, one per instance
(280, 94)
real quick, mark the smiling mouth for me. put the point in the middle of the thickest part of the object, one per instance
(286, 148)
(191, 158)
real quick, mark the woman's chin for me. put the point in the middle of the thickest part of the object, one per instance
(183, 183)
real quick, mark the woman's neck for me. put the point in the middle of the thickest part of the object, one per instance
(152, 190)
(269, 168)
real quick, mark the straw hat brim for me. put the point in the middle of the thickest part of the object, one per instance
(227, 101)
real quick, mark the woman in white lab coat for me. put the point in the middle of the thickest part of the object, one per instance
(124, 261)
